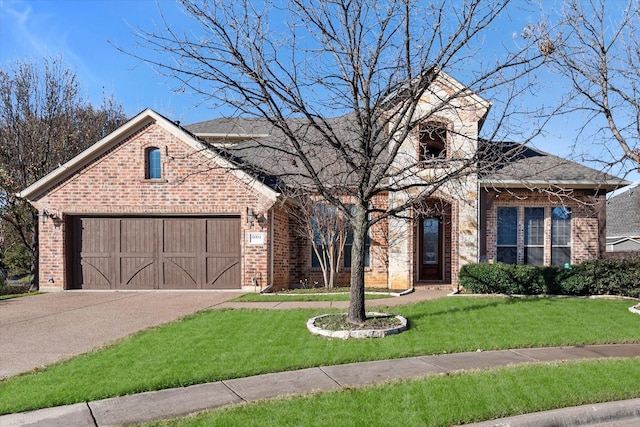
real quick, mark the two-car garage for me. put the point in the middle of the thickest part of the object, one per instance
(121, 253)
(106, 222)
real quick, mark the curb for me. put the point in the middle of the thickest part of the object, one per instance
(610, 413)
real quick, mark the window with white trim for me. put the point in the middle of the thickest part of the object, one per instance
(534, 236)
(560, 235)
(507, 244)
(153, 165)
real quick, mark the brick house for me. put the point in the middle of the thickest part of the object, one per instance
(623, 221)
(155, 206)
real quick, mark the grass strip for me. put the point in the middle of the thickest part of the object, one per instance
(454, 399)
(9, 296)
(223, 344)
(290, 297)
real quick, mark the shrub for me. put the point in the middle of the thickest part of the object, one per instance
(611, 276)
(573, 284)
(502, 278)
(598, 277)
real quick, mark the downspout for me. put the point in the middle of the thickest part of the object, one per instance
(479, 219)
(271, 252)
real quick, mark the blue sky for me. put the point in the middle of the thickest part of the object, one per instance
(83, 33)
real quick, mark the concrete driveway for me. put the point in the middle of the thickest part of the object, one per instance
(42, 329)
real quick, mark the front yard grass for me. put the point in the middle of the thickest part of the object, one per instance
(303, 296)
(458, 398)
(222, 344)
(26, 294)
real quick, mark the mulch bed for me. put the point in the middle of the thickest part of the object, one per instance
(338, 322)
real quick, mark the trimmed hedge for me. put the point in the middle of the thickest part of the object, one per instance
(597, 277)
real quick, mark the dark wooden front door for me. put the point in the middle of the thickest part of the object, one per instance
(155, 253)
(430, 254)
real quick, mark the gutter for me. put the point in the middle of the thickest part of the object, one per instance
(587, 185)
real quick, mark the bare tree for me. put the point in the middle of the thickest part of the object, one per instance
(341, 84)
(43, 122)
(327, 229)
(595, 46)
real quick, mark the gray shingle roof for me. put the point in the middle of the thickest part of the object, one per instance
(504, 164)
(521, 166)
(255, 144)
(231, 126)
(623, 214)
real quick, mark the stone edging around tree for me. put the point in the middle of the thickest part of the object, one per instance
(358, 333)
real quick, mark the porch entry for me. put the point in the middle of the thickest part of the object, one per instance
(430, 248)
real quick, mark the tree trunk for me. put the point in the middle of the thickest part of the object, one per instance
(331, 256)
(332, 276)
(357, 314)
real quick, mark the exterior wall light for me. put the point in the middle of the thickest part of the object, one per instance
(251, 216)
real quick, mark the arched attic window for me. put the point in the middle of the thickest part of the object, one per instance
(153, 166)
(432, 142)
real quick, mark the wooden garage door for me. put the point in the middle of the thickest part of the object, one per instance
(155, 253)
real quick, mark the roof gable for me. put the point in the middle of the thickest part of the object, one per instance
(40, 187)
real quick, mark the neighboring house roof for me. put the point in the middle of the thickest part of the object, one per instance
(144, 118)
(623, 214)
(519, 166)
(626, 244)
(619, 240)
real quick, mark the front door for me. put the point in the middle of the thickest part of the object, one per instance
(430, 249)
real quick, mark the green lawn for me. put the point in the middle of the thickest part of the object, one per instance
(453, 399)
(288, 297)
(9, 296)
(222, 344)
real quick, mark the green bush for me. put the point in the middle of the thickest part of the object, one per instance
(598, 277)
(611, 276)
(502, 278)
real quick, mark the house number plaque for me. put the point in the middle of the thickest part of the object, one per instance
(257, 238)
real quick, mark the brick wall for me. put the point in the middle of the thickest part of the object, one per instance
(376, 274)
(281, 247)
(585, 224)
(115, 184)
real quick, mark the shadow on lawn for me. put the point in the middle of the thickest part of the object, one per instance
(477, 304)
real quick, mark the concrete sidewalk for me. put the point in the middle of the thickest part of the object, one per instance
(179, 402)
